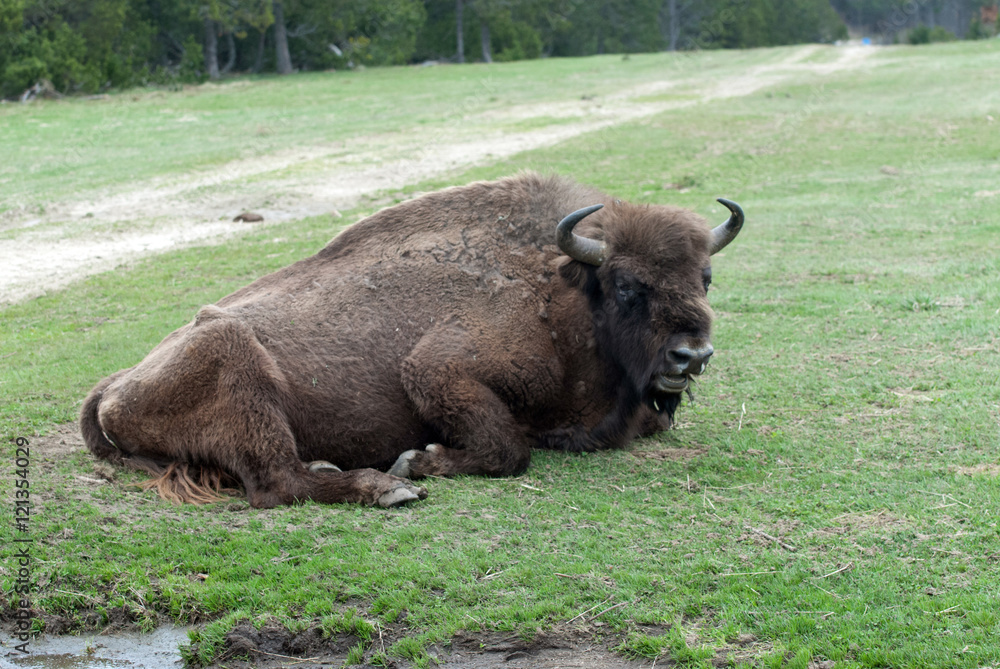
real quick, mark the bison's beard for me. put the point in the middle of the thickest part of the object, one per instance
(663, 385)
(664, 403)
(618, 425)
(637, 369)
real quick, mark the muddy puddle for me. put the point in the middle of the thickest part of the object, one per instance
(158, 650)
(275, 647)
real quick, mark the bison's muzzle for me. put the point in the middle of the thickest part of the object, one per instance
(673, 378)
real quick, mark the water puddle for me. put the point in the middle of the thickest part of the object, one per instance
(158, 650)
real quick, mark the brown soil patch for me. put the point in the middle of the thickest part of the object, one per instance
(61, 441)
(55, 447)
(273, 646)
(558, 649)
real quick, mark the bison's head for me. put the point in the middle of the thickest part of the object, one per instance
(647, 282)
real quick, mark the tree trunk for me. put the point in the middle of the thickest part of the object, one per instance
(231, 56)
(484, 37)
(281, 40)
(460, 29)
(603, 14)
(211, 49)
(259, 60)
(674, 25)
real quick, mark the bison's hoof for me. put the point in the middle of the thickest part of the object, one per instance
(570, 440)
(401, 467)
(401, 494)
(322, 466)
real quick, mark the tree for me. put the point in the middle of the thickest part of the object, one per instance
(673, 24)
(211, 48)
(460, 30)
(281, 53)
(486, 10)
(887, 20)
(226, 18)
(258, 62)
(509, 29)
(90, 45)
(81, 45)
(230, 53)
(338, 33)
(679, 22)
(484, 39)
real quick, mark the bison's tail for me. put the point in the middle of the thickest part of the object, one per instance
(183, 483)
(176, 482)
(90, 426)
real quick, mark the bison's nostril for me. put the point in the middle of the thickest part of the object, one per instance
(690, 360)
(681, 356)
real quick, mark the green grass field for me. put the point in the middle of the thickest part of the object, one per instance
(84, 146)
(832, 494)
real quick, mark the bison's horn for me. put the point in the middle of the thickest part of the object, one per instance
(585, 250)
(727, 232)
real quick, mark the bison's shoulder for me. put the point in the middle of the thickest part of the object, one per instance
(516, 213)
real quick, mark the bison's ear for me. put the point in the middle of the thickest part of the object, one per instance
(577, 274)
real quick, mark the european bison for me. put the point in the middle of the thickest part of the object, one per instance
(465, 319)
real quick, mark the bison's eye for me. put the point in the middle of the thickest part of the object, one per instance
(706, 277)
(627, 292)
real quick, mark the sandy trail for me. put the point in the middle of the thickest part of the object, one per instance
(76, 239)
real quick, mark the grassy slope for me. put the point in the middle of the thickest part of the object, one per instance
(77, 147)
(853, 410)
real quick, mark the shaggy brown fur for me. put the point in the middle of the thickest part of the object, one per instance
(450, 320)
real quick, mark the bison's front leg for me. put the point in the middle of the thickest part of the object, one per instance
(451, 383)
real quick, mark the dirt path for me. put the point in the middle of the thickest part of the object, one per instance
(77, 239)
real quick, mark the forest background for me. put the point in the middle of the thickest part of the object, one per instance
(58, 47)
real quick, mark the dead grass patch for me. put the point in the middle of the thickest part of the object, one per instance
(741, 651)
(853, 524)
(670, 454)
(984, 469)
